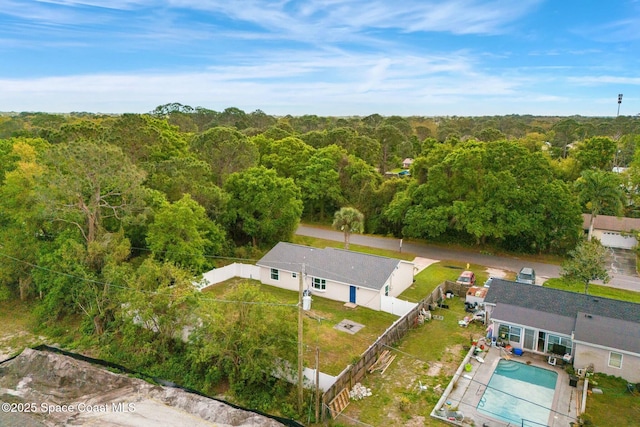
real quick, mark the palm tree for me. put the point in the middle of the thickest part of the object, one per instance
(349, 220)
(600, 192)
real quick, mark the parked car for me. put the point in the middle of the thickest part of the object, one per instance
(526, 275)
(467, 278)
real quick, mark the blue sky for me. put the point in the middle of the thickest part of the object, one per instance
(325, 57)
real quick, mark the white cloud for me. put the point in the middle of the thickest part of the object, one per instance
(309, 21)
(316, 83)
(604, 79)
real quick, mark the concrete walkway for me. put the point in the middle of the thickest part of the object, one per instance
(543, 271)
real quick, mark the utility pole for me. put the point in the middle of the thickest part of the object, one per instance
(300, 348)
(619, 102)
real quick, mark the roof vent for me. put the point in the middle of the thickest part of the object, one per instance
(588, 316)
(596, 300)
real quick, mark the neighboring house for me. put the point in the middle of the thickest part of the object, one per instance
(406, 163)
(336, 274)
(613, 232)
(591, 330)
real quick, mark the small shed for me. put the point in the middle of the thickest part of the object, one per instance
(476, 294)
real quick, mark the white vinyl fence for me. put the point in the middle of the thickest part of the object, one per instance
(396, 306)
(289, 373)
(217, 275)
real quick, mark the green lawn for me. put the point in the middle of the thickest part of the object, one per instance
(615, 406)
(432, 276)
(428, 354)
(338, 349)
(322, 243)
(595, 290)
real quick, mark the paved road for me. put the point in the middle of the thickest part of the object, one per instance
(543, 271)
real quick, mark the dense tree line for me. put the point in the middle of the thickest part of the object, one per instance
(109, 217)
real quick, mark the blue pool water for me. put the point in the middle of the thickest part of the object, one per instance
(518, 392)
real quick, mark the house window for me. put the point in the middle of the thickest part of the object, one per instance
(319, 284)
(275, 274)
(294, 274)
(555, 342)
(386, 290)
(510, 333)
(615, 360)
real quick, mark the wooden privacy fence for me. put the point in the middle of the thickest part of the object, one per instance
(394, 333)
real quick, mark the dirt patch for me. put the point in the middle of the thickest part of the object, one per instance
(13, 343)
(496, 272)
(94, 396)
(434, 370)
(415, 422)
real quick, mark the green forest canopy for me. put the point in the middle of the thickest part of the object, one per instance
(98, 210)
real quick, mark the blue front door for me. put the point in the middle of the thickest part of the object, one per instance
(352, 294)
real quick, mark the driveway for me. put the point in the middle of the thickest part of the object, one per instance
(543, 271)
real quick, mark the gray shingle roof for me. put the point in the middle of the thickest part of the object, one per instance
(563, 303)
(353, 268)
(530, 317)
(611, 223)
(608, 332)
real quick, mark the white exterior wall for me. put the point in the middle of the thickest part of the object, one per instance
(400, 279)
(285, 279)
(398, 282)
(586, 354)
(365, 297)
(334, 290)
(613, 239)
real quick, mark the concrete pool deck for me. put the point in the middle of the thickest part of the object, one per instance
(471, 386)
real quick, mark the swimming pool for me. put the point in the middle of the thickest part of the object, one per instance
(518, 392)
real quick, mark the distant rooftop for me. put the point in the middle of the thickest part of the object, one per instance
(611, 223)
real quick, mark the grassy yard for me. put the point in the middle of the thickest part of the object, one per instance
(428, 355)
(338, 349)
(322, 243)
(595, 290)
(428, 279)
(615, 406)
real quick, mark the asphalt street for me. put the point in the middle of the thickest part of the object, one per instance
(543, 271)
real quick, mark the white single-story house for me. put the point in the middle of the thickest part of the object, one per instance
(336, 274)
(612, 231)
(406, 163)
(583, 329)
